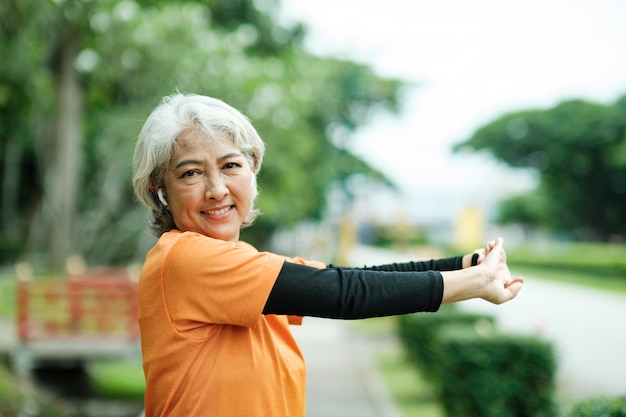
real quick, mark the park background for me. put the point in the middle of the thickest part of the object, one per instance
(407, 125)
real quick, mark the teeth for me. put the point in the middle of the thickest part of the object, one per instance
(217, 212)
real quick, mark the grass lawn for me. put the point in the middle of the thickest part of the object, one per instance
(412, 394)
(118, 379)
(596, 265)
(608, 282)
(10, 395)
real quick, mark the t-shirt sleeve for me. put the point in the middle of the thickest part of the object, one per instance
(210, 281)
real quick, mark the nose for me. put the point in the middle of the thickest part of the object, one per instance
(216, 187)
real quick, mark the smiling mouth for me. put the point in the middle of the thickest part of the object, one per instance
(218, 212)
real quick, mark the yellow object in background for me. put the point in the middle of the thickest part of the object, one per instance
(469, 229)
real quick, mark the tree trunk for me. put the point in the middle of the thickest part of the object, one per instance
(61, 161)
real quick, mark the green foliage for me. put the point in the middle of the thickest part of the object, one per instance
(600, 407)
(578, 148)
(10, 248)
(118, 379)
(421, 335)
(127, 56)
(498, 376)
(477, 371)
(7, 296)
(526, 209)
(10, 395)
(396, 236)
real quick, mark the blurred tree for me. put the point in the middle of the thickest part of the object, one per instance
(83, 75)
(579, 150)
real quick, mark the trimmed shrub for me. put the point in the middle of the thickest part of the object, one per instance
(420, 335)
(600, 407)
(497, 376)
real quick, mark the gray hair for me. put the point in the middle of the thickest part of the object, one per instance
(155, 147)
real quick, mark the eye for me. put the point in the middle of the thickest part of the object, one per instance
(189, 174)
(231, 165)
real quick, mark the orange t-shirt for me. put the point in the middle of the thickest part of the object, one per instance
(207, 348)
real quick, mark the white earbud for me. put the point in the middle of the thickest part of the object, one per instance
(161, 197)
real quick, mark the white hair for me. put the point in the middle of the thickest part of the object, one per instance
(155, 147)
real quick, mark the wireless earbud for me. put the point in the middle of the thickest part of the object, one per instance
(161, 197)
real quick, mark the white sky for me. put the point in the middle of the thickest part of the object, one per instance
(472, 61)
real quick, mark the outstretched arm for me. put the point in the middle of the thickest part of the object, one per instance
(350, 293)
(359, 293)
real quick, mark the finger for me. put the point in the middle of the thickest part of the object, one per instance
(515, 286)
(498, 244)
(513, 281)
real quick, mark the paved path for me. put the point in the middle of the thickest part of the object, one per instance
(342, 380)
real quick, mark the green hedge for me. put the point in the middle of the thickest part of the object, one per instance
(600, 407)
(478, 371)
(497, 376)
(420, 333)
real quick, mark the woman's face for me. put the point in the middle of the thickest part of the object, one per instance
(209, 186)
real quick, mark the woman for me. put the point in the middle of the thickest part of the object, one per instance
(214, 312)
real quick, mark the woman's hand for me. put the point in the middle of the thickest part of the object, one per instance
(499, 285)
(490, 280)
(483, 252)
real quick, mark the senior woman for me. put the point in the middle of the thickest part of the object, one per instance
(214, 312)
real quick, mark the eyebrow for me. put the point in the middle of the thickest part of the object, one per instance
(199, 161)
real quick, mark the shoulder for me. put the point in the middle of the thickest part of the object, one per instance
(189, 248)
(199, 244)
(193, 251)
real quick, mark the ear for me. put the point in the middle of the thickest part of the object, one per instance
(157, 190)
(154, 186)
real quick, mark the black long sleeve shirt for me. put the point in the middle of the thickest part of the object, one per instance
(355, 293)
